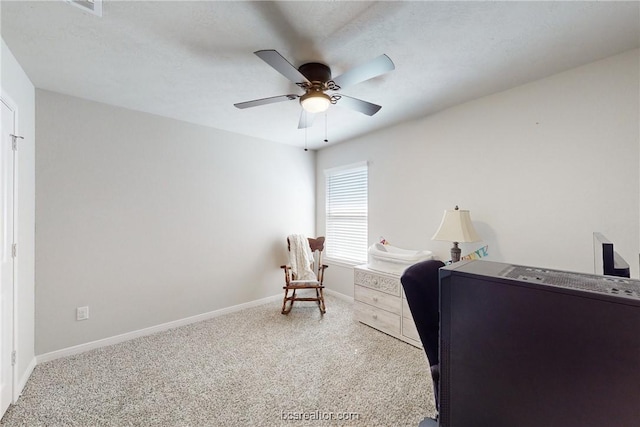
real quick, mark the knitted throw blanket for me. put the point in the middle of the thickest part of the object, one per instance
(300, 258)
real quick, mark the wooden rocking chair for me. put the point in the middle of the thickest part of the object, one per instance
(292, 284)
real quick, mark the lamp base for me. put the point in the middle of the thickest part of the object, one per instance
(455, 252)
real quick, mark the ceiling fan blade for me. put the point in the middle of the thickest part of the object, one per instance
(265, 101)
(306, 119)
(359, 105)
(281, 65)
(376, 67)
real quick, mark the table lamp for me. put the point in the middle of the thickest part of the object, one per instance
(456, 227)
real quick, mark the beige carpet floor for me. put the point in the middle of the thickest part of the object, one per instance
(254, 367)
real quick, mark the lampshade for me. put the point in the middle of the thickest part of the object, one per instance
(315, 101)
(456, 226)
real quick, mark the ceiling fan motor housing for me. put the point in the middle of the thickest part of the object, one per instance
(316, 72)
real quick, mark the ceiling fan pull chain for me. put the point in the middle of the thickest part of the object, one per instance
(305, 130)
(326, 115)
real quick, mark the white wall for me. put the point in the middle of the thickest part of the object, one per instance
(147, 220)
(541, 167)
(19, 88)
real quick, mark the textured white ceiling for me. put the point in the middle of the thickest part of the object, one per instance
(193, 60)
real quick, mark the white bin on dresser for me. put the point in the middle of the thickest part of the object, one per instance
(379, 302)
(391, 259)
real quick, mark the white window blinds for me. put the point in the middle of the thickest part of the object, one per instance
(346, 214)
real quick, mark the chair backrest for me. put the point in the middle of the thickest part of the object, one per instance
(317, 246)
(421, 283)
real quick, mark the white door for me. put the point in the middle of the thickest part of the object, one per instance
(7, 194)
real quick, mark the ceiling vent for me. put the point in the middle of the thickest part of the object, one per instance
(92, 6)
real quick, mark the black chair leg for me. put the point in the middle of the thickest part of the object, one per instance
(428, 422)
(435, 377)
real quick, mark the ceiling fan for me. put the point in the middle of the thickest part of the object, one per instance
(316, 80)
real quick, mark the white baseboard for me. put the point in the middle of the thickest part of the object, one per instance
(339, 295)
(23, 379)
(81, 348)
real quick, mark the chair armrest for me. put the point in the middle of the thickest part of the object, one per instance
(321, 270)
(287, 274)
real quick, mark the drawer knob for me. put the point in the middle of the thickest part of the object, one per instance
(375, 299)
(375, 316)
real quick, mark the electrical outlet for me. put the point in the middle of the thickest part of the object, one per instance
(82, 313)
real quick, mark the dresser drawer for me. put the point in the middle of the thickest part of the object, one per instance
(409, 329)
(408, 325)
(377, 299)
(390, 285)
(406, 311)
(377, 318)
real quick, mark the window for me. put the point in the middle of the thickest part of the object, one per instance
(347, 213)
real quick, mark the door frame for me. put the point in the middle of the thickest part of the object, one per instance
(10, 103)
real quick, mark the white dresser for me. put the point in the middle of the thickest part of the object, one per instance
(381, 304)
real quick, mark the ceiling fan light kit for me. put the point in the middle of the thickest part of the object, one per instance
(315, 78)
(315, 101)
